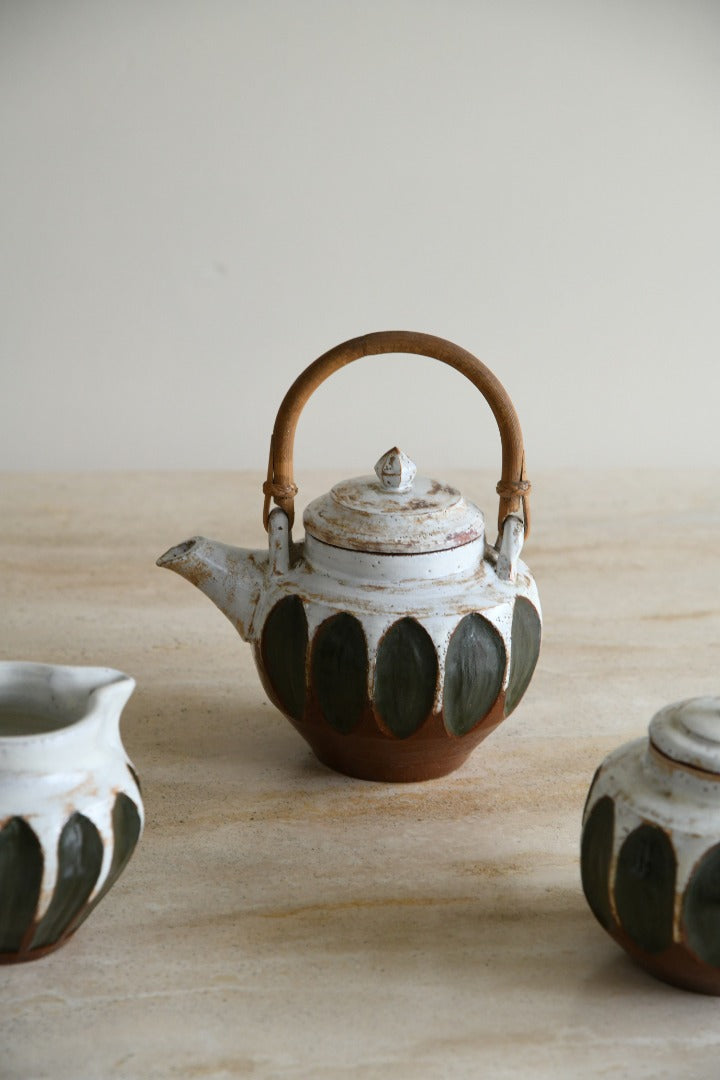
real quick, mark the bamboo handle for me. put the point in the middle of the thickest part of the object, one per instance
(513, 487)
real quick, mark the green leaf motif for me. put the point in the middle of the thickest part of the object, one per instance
(596, 858)
(21, 870)
(701, 909)
(645, 887)
(524, 651)
(126, 827)
(339, 669)
(474, 671)
(80, 855)
(406, 674)
(284, 653)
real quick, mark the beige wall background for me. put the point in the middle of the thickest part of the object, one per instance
(199, 198)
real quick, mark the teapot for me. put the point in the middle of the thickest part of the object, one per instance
(394, 637)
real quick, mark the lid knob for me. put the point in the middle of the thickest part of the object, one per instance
(395, 470)
(689, 732)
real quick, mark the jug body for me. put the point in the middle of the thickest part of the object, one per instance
(70, 806)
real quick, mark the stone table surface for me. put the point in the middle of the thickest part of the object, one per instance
(279, 920)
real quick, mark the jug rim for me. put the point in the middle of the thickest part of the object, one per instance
(28, 684)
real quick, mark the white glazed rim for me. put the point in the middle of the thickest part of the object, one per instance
(90, 680)
(411, 568)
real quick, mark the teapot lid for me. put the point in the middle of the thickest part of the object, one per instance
(394, 512)
(689, 732)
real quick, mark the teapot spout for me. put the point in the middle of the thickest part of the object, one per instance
(231, 577)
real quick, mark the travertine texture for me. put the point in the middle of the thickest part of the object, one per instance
(278, 920)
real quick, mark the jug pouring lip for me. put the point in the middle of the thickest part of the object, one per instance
(57, 699)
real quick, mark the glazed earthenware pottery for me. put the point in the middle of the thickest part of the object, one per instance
(651, 846)
(395, 636)
(70, 806)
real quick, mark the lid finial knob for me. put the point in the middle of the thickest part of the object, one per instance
(395, 470)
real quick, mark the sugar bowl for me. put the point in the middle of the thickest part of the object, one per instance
(650, 853)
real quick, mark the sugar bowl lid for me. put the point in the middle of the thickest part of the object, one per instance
(394, 512)
(688, 732)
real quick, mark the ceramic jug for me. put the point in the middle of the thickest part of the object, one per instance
(395, 636)
(651, 846)
(70, 806)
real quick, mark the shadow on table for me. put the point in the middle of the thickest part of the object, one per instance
(518, 924)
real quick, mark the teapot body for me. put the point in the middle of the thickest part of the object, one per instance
(394, 667)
